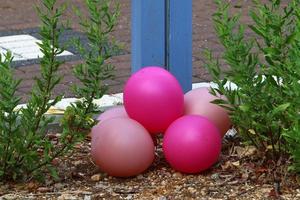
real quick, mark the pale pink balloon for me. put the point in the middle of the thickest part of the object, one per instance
(117, 111)
(114, 112)
(192, 144)
(198, 102)
(122, 147)
(154, 98)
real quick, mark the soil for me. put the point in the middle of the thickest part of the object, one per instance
(241, 173)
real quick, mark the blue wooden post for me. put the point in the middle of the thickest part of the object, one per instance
(162, 36)
(148, 33)
(179, 41)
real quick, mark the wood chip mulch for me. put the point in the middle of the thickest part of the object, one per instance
(241, 173)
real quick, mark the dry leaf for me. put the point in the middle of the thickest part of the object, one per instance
(236, 164)
(245, 151)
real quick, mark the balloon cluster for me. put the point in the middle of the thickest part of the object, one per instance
(123, 142)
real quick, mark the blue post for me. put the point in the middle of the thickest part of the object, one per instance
(179, 41)
(148, 33)
(162, 36)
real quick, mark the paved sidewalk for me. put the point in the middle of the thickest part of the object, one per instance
(19, 15)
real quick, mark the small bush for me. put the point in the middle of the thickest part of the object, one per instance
(266, 69)
(26, 150)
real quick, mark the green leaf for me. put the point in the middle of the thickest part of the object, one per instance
(257, 31)
(244, 108)
(281, 108)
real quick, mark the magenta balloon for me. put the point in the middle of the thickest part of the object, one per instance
(117, 111)
(192, 144)
(154, 97)
(122, 148)
(198, 102)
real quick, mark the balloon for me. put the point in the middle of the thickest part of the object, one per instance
(153, 97)
(198, 102)
(122, 147)
(192, 144)
(117, 111)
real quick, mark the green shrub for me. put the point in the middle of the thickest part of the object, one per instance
(97, 26)
(26, 150)
(266, 69)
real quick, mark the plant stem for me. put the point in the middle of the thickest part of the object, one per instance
(8, 144)
(274, 152)
(47, 94)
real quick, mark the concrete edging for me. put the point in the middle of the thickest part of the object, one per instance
(106, 102)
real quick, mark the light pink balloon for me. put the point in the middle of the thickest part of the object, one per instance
(122, 147)
(114, 112)
(192, 144)
(198, 102)
(154, 98)
(117, 111)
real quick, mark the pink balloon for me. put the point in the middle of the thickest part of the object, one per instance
(198, 102)
(192, 144)
(122, 147)
(114, 112)
(154, 97)
(117, 111)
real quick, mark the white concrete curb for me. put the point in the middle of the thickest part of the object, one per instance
(107, 101)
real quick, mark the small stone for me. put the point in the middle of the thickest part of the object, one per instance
(32, 185)
(9, 197)
(203, 192)
(87, 197)
(96, 177)
(168, 174)
(43, 189)
(236, 164)
(115, 194)
(215, 176)
(298, 193)
(129, 197)
(101, 185)
(177, 175)
(58, 186)
(162, 198)
(77, 162)
(139, 177)
(67, 197)
(192, 190)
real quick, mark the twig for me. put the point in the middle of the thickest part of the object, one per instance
(58, 193)
(226, 181)
(246, 191)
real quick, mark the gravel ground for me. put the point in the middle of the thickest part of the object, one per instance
(239, 174)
